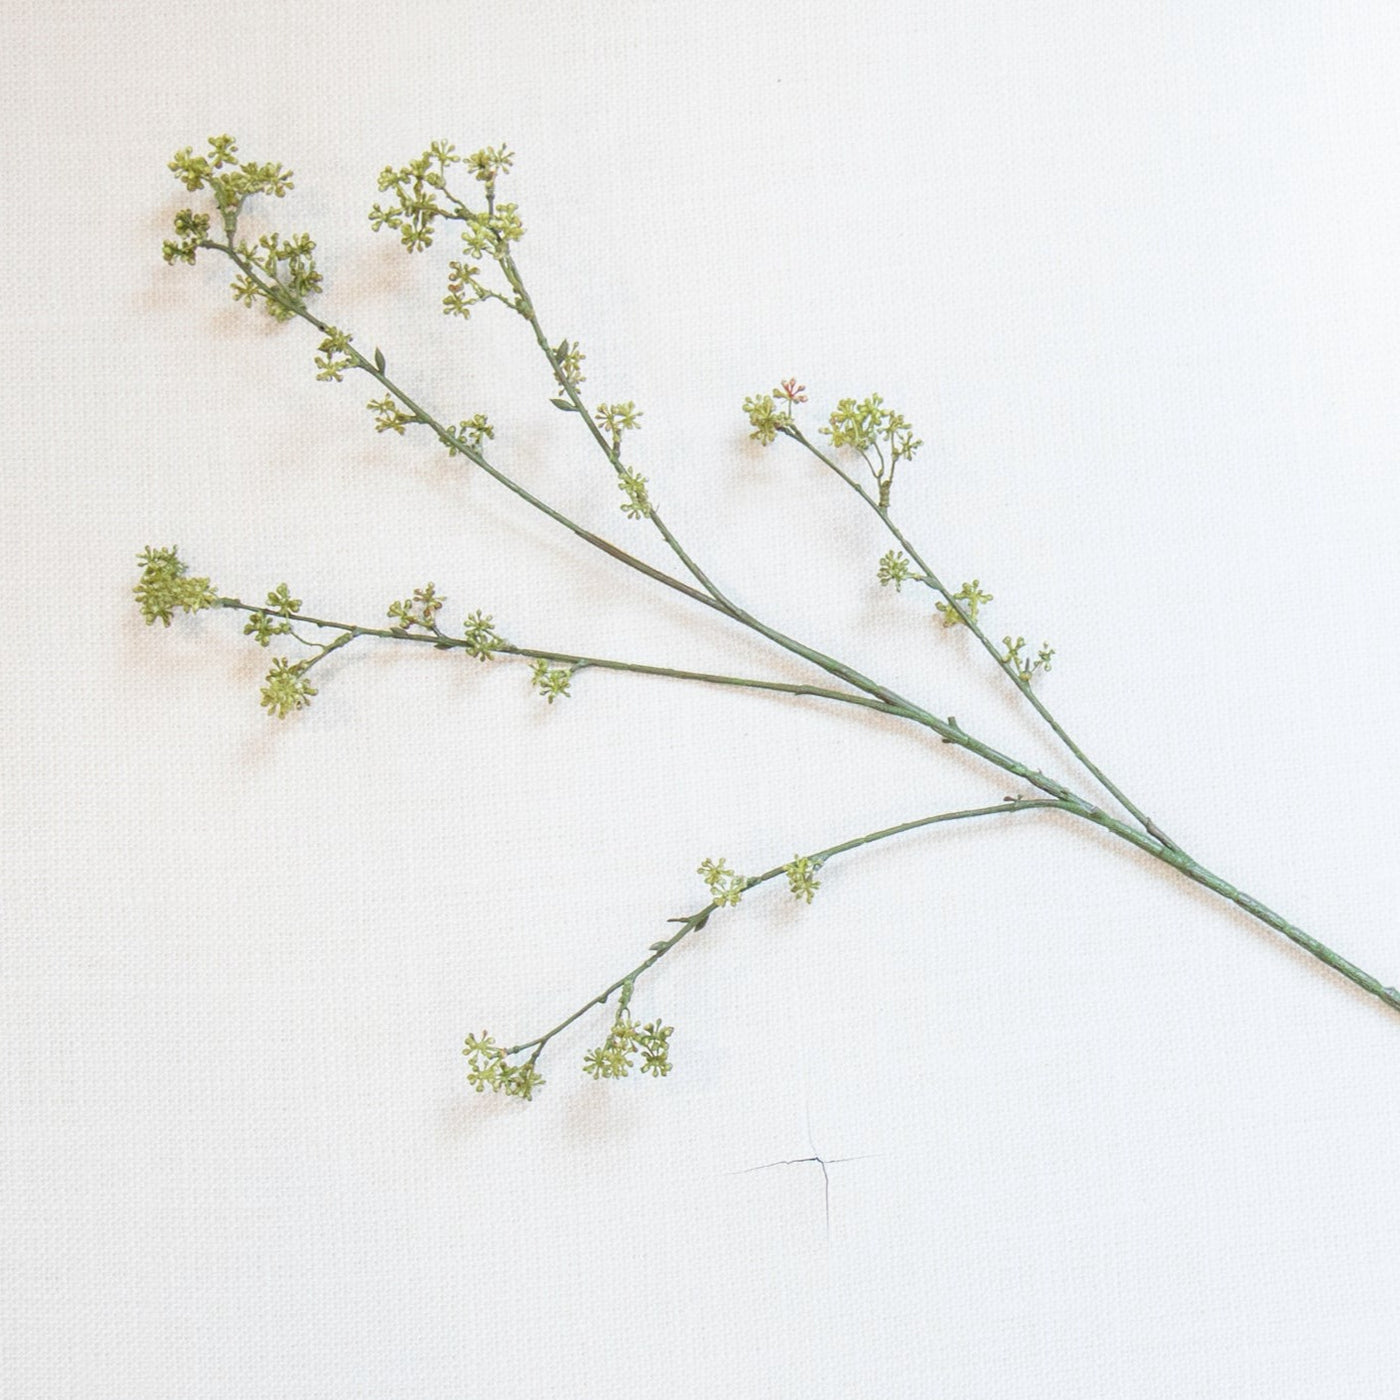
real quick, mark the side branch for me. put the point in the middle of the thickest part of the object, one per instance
(692, 923)
(456, 443)
(444, 641)
(525, 306)
(931, 580)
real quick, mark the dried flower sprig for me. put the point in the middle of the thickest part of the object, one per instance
(280, 275)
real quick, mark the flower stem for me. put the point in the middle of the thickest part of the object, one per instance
(1194, 870)
(442, 641)
(931, 580)
(692, 923)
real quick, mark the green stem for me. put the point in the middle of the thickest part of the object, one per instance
(441, 641)
(343, 640)
(1192, 869)
(692, 923)
(526, 308)
(931, 580)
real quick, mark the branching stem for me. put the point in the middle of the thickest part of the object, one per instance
(166, 586)
(458, 444)
(950, 733)
(1149, 839)
(931, 580)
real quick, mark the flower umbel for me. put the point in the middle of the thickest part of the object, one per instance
(165, 587)
(287, 689)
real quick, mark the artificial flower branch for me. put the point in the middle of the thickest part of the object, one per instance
(280, 274)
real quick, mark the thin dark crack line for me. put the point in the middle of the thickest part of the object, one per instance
(822, 1162)
(799, 1161)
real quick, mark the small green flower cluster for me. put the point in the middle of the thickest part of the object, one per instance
(490, 234)
(421, 198)
(971, 597)
(802, 877)
(286, 688)
(868, 426)
(472, 432)
(421, 610)
(865, 425)
(488, 164)
(724, 885)
(615, 1057)
(229, 181)
(389, 417)
(165, 585)
(895, 568)
(191, 231)
(488, 1068)
(260, 625)
(1025, 666)
(464, 289)
(482, 639)
(335, 358)
(637, 506)
(289, 270)
(616, 419)
(568, 360)
(416, 187)
(551, 681)
(766, 418)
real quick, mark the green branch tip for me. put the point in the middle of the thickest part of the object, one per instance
(488, 1067)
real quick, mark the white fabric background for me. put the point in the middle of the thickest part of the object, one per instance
(1132, 270)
